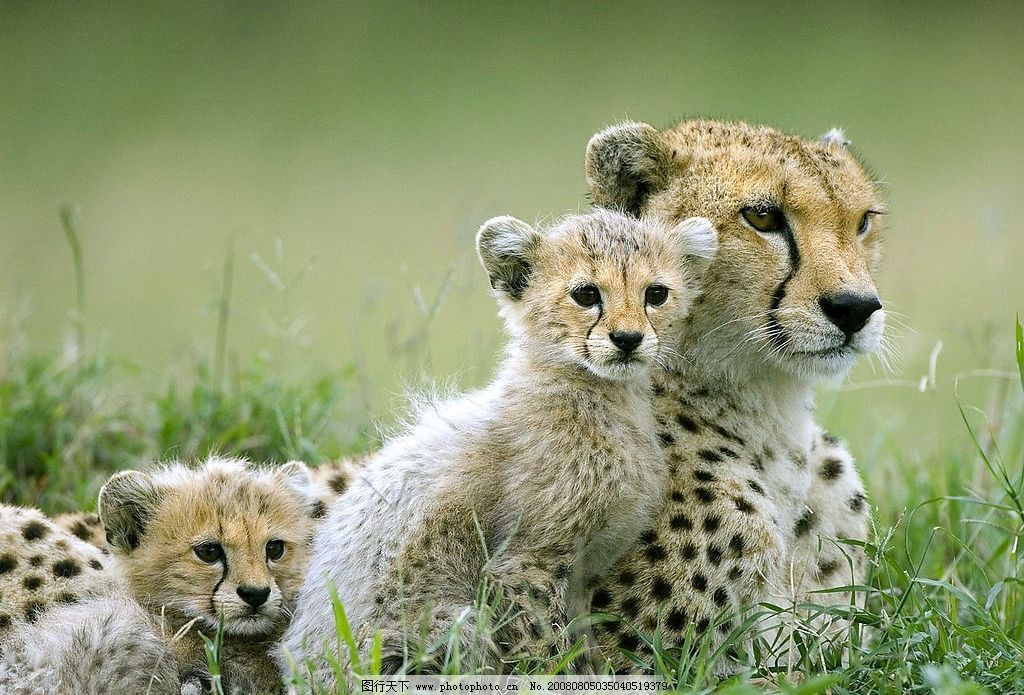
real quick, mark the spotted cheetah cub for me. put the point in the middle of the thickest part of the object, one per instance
(225, 543)
(532, 485)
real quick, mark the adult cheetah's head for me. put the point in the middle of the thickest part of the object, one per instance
(800, 225)
(225, 541)
(603, 291)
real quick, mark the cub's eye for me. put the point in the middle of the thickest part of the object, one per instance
(275, 550)
(765, 219)
(865, 224)
(586, 296)
(209, 552)
(656, 295)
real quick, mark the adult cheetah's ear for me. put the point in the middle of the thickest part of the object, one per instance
(506, 246)
(126, 505)
(625, 164)
(697, 239)
(834, 138)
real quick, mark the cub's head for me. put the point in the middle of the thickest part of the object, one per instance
(799, 223)
(222, 541)
(602, 291)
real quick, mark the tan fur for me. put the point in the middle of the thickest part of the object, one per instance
(756, 498)
(531, 487)
(155, 521)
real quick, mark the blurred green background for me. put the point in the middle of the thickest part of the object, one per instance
(348, 151)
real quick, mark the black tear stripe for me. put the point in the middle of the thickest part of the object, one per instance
(780, 291)
(586, 341)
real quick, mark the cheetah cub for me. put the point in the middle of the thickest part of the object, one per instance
(533, 485)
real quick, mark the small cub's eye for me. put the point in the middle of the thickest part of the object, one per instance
(865, 224)
(656, 295)
(586, 296)
(209, 552)
(765, 219)
(275, 550)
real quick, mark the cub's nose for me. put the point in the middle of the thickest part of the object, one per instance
(626, 341)
(255, 596)
(849, 311)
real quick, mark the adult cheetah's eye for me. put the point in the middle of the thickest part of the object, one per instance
(765, 220)
(275, 550)
(865, 224)
(656, 295)
(209, 552)
(586, 296)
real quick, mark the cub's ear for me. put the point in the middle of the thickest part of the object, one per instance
(625, 164)
(506, 247)
(697, 239)
(127, 503)
(834, 138)
(299, 478)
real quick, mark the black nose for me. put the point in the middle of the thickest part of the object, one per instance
(255, 596)
(627, 342)
(849, 311)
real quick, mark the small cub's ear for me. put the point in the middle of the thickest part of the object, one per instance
(697, 239)
(506, 247)
(625, 164)
(126, 505)
(299, 478)
(834, 138)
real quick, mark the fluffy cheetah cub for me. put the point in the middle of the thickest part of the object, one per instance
(225, 543)
(533, 485)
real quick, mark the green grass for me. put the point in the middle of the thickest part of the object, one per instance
(944, 610)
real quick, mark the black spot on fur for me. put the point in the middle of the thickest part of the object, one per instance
(338, 483)
(67, 598)
(714, 554)
(5, 621)
(709, 455)
(726, 451)
(95, 564)
(712, 522)
(735, 573)
(649, 536)
(737, 544)
(732, 437)
(702, 625)
(626, 578)
(720, 597)
(704, 476)
(676, 619)
(687, 423)
(857, 502)
(36, 560)
(7, 563)
(826, 568)
(630, 607)
(34, 530)
(660, 589)
(602, 599)
(654, 552)
(676, 496)
(666, 438)
(689, 551)
(81, 531)
(700, 582)
(753, 485)
(32, 582)
(831, 469)
(629, 641)
(319, 510)
(704, 494)
(66, 568)
(33, 609)
(743, 505)
(831, 439)
(804, 524)
(757, 462)
(680, 522)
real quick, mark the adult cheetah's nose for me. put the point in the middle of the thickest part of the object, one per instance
(255, 596)
(626, 341)
(849, 311)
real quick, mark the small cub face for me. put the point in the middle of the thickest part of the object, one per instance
(222, 541)
(603, 291)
